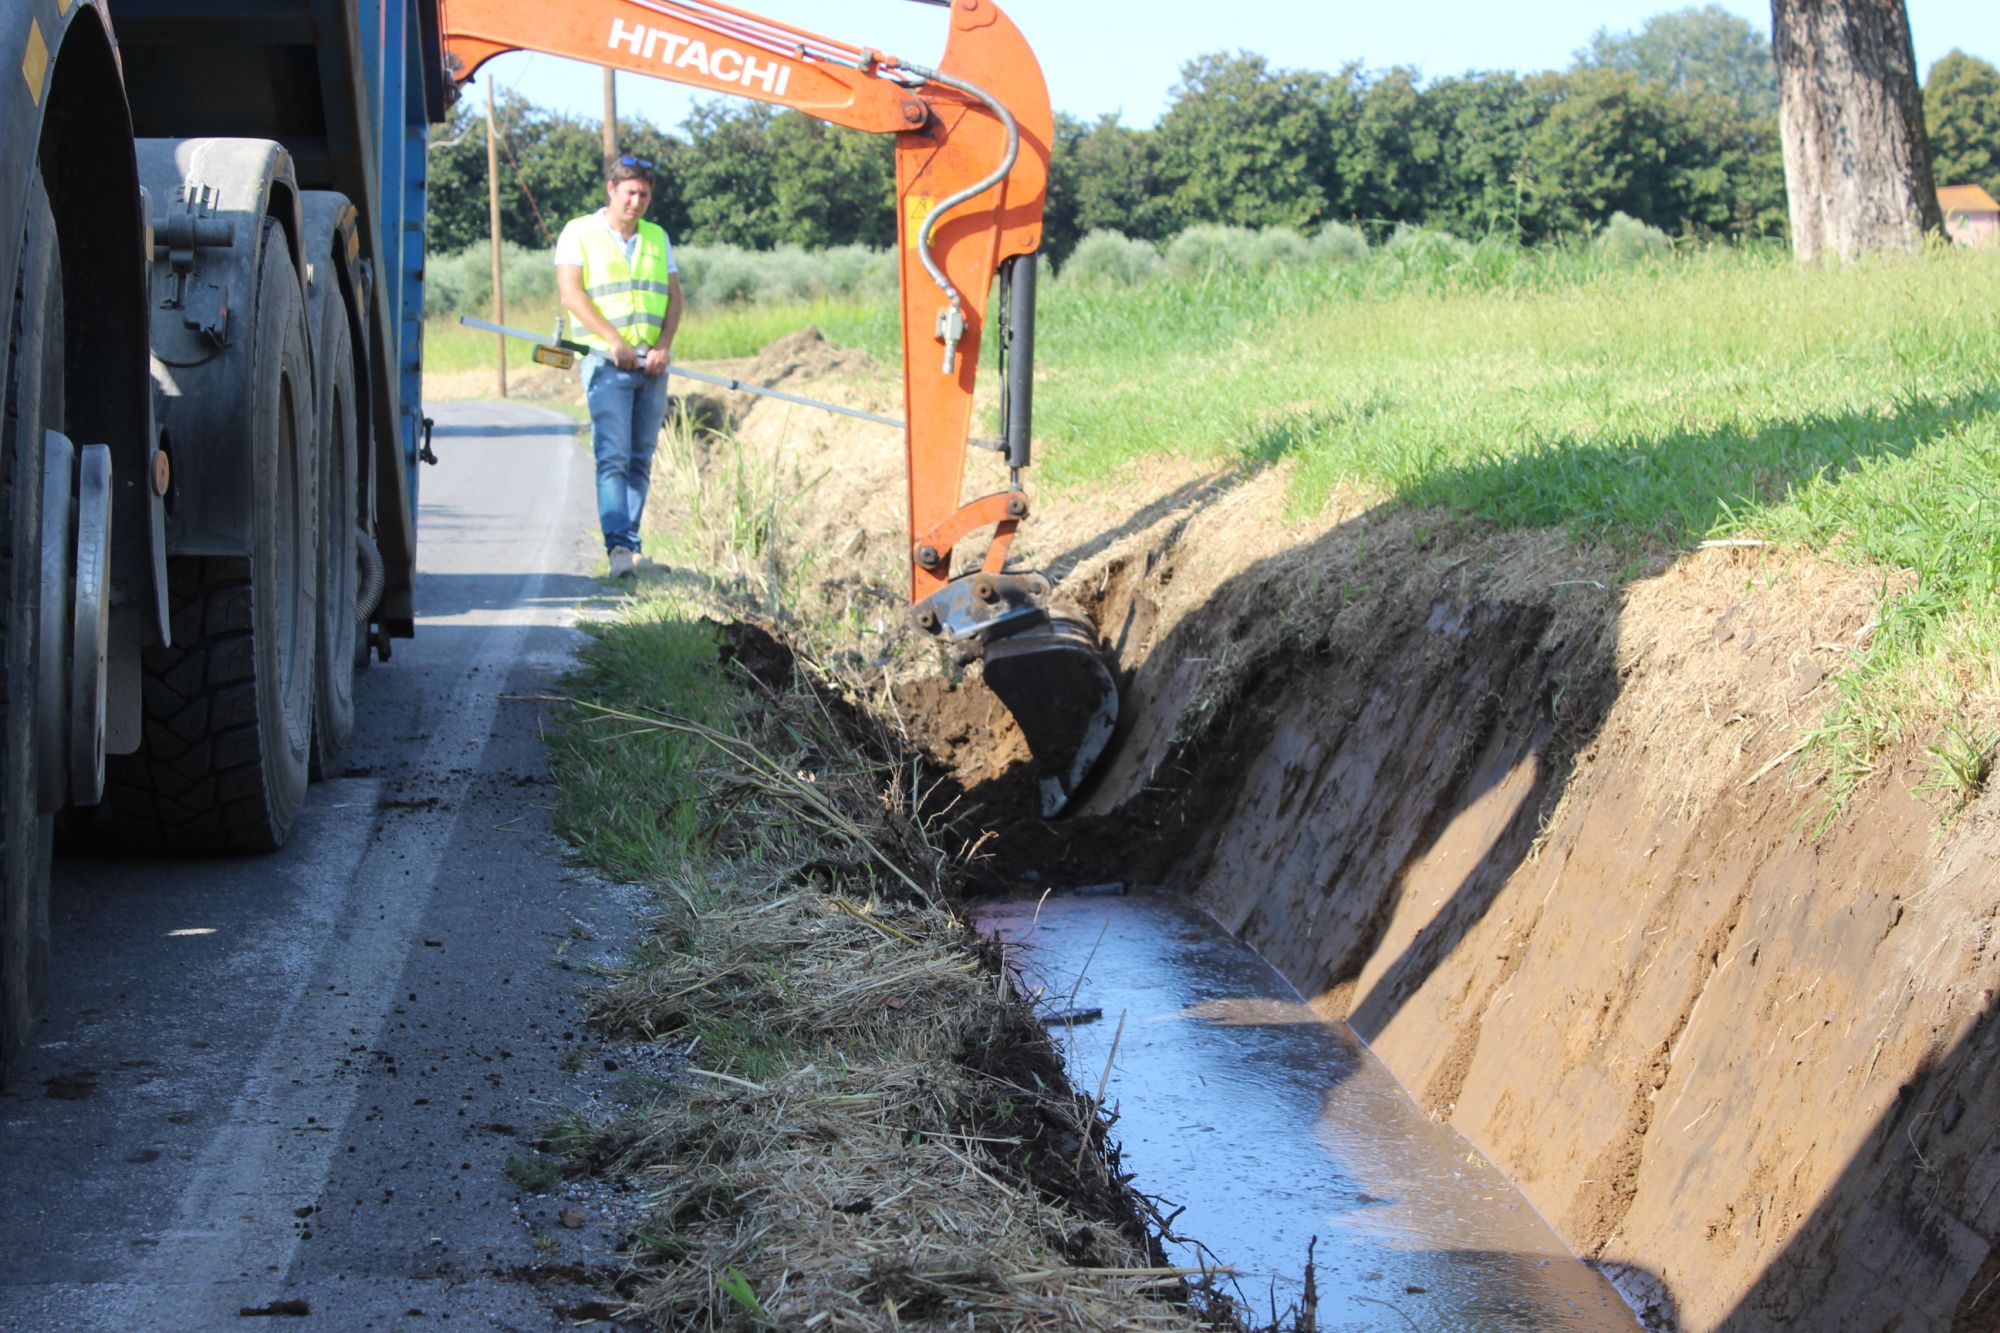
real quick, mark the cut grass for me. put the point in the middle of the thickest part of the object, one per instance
(847, 1139)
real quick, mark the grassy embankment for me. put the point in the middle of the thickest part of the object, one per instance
(1719, 396)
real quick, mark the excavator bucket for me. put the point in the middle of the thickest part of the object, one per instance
(1059, 690)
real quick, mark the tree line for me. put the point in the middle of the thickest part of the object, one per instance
(1674, 124)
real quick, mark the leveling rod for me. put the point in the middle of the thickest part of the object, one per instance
(562, 354)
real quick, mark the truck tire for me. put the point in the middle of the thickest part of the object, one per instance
(227, 731)
(34, 404)
(340, 574)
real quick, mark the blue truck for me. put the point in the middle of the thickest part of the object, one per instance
(211, 281)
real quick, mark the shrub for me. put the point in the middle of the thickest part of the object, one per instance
(1338, 243)
(713, 275)
(452, 280)
(1208, 249)
(1426, 251)
(722, 275)
(1279, 247)
(1111, 259)
(461, 283)
(1626, 240)
(1498, 260)
(857, 270)
(786, 274)
(529, 274)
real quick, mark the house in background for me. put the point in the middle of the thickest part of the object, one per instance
(1970, 215)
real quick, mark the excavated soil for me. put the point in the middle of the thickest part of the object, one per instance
(1527, 817)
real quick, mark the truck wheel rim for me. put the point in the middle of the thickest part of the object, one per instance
(52, 648)
(293, 619)
(93, 625)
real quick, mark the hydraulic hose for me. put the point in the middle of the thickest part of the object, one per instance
(909, 72)
(952, 323)
(373, 579)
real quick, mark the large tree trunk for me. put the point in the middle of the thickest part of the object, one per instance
(1857, 162)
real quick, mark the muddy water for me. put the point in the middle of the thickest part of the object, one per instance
(1272, 1127)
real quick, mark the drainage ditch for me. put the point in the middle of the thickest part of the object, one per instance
(1270, 1134)
(1535, 818)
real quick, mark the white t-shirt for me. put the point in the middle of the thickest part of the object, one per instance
(569, 246)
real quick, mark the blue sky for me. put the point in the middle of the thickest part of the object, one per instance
(1099, 57)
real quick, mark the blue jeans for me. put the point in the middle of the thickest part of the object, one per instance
(627, 409)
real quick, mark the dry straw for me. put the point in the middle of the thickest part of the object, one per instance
(871, 1132)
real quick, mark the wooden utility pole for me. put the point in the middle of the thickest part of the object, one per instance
(493, 217)
(1851, 119)
(610, 116)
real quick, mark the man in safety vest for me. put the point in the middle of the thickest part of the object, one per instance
(616, 274)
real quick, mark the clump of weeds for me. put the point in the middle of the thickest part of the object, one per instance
(536, 1173)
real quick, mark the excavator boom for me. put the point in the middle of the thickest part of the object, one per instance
(972, 163)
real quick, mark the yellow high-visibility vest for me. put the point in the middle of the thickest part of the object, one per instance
(632, 296)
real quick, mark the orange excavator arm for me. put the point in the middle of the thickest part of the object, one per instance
(972, 169)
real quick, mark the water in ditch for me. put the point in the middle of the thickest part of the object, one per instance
(1271, 1126)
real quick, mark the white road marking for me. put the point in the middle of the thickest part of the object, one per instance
(236, 1229)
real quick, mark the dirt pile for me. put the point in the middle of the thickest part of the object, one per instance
(1526, 816)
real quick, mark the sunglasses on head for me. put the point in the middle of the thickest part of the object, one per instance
(629, 161)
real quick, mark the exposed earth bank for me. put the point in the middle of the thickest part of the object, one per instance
(1527, 816)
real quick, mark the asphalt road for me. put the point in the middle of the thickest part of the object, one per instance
(290, 1084)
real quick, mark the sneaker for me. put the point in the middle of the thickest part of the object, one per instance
(644, 565)
(624, 562)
